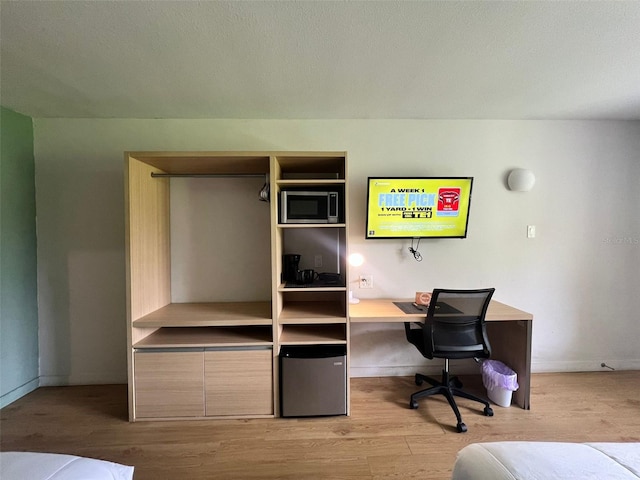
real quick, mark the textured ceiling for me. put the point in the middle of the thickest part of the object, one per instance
(321, 59)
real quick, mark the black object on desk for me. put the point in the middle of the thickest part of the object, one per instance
(321, 280)
(412, 308)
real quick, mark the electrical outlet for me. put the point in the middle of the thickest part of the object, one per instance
(318, 261)
(366, 281)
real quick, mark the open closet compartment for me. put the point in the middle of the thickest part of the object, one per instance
(188, 326)
(204, 333)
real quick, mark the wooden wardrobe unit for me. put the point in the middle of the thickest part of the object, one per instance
(219, 359)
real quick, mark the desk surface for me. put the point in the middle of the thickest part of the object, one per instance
(384, 310)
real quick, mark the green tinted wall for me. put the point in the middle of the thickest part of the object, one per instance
(18, 284)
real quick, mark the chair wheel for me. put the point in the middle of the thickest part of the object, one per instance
(419, 380)
(488, 411)
(413, 404)
(461, 427)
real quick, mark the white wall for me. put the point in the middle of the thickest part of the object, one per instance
(210, 215)
(580, 276)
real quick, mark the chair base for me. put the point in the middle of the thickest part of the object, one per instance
(449, 387)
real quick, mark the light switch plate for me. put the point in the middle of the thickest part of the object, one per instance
(531, 231)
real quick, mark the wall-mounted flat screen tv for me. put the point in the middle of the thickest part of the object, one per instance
(418, 207)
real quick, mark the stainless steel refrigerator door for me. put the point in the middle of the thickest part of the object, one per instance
(313, 386)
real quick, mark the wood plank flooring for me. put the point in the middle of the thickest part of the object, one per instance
(382, 439)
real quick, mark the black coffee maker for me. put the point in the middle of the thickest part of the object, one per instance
(290, 264)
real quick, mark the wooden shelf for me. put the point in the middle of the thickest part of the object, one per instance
(313, 334)
(205, 162)
(311, 163)
(311, 182)
(218, 314)
(311, 225)
(313, 312)
(335, 288)
(177, 337)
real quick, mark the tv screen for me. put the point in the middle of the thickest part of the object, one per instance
(418, 207)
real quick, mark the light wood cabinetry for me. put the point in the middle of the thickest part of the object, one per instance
(217, 356)
(169, 384)
(238, 382)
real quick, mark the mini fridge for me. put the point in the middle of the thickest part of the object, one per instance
(313, 380)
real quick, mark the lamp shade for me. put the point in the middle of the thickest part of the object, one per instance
(521, 180)
(356, 259)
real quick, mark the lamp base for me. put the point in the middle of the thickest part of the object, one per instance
(353, 300)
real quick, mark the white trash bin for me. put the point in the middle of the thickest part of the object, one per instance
(500, 382)
(500, 396)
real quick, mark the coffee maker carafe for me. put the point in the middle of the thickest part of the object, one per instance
(290, 264)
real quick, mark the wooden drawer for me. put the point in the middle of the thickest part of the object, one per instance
(239, 382)
(169, 384)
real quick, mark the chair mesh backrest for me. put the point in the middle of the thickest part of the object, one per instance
(455, 323)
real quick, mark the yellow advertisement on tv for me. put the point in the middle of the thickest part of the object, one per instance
(418, 207)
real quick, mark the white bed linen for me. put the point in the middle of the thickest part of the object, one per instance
(548, 461)
(51, 466)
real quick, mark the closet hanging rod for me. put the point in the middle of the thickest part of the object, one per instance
(221, 175)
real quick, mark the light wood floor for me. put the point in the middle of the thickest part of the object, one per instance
(382, 438)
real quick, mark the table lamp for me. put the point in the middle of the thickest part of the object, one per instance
(355, 260)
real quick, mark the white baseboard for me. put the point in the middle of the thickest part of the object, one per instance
(468, 368)
(21, 391)
(464, 367)
(584, 366)
(84, 379)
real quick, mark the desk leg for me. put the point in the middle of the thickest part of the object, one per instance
(511, 344)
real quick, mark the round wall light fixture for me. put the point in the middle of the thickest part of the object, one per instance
(521, 180)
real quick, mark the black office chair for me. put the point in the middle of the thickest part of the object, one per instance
(454, 328)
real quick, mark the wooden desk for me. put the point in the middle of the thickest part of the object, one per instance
(508, 328)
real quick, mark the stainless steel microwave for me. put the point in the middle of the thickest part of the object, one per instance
(308, 207)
